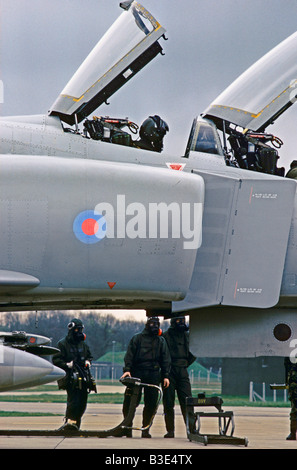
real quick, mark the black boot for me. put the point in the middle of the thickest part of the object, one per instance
(146, 434)
(293, 428)
(69, 426)
(169, 434)
(126, 433)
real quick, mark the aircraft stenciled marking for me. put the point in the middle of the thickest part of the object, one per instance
(246, 290)
(261, 195)
(251, 194)
(89, 227)
(235, 290)
(176, 166)
(111, 284)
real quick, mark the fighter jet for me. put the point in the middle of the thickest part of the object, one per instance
(95, 215)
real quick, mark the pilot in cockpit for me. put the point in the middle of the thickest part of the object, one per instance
(292, 173)
(152, 133)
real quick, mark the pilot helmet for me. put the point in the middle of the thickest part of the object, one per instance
(153, 130)
(293, 164)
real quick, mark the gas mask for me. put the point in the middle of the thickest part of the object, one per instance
(77, 334)
(179, 323)
(75, 328)
(153, 326)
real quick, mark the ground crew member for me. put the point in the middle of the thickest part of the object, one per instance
(148, 359)
(291, 380)
(75, 358)
(177, 338)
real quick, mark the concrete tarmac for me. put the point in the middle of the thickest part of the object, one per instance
(264, 427)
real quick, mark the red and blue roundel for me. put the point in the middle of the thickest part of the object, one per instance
(89, 227)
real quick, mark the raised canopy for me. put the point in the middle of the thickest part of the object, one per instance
(262, 93)
(129, 44)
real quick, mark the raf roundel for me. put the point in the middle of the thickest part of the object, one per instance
(89, 227)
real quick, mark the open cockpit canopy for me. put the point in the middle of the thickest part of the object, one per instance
(262, 93)
(129, 44)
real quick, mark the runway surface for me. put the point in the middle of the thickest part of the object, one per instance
(264, 427)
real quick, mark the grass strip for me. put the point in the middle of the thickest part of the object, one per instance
(14, 414)
(54, 398)
(117, 398)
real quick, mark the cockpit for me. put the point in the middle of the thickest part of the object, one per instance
(241, 113)
(243, 148)
(204, 138)
(255, 151)
(253, 102)
(151, 132)
(127, 46)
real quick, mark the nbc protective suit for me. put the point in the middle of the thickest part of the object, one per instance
(75, 358)
(148, 359)
(177, 338)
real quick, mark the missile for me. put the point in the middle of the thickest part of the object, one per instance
(20, 369)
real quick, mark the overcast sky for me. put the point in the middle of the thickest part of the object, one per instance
(210, 43)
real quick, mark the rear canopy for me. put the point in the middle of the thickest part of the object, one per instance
(262, 93)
